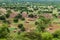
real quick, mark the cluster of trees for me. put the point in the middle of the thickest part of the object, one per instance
(4, 33)
(42, 23)
(7, 15)
(39, 34)
(19, 16)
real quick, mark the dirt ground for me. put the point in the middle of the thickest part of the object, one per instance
(53, 28)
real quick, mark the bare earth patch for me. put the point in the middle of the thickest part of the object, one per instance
(53, 28)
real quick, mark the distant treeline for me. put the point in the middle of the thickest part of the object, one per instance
(29, 0)
(48, 2)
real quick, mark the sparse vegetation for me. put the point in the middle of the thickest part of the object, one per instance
(29, 20)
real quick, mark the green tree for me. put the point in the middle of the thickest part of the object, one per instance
(15, 20)
(36, 23)
(31, 15)
(7, 15)
(20, 26)
(55, 39)
(6, 21)
(22, 19)
(43, 23)
(36, 8)
(54, 15)
(39, 12)
(9, 11)
(19, 16)
(4, 31)
(30, 36)
(47, 36)
(2, 17)
(56, 34)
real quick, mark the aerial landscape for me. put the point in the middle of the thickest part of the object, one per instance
(29, 19)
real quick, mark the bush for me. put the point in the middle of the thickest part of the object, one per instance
(20, 26)
(15, 20)
(19, 16)
(6, 21)
(30, 36)
(2, 17)
(55, 39)
(46, 36)
(22, 29)
(43, 23)
(22, 19)
(4, 31)
(7, 15)
(36, 23)
(56, 34)
(54, 15)
(9, 11)
(31, 15)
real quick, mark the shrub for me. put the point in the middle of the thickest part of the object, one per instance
(56, 34)
(20, 26)
(43, 23)
(30, 36)
(4, 31)
(19, 16)
(31, 15)
(47, 36)
(22, 19)
(7, 15)
(36, 23)
(9, 11)
(6, 21)
(15, 20)
(2, 17)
